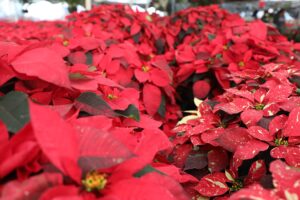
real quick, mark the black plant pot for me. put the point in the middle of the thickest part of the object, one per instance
(72, 9)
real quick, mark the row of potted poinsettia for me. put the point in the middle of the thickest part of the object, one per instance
(91, 107)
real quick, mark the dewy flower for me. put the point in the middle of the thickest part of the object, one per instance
(255, 104)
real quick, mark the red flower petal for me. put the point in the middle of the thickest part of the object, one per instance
(242, 93)
(159, 77)
(176, 173)
(11, 49)
(279, 93)
(181, 153)
(135, 28)
(161, 63)
(184, 71)
(141, 76)
(285, 177)
(256, 172)
(113, 68)
(260, 133)
(258, 29)
(251, 117)
(87, 43)
(277, 124)
(186, 54)
(124, 99)
(31, 188)
(61, 191)
(212, 185)
(149, 187)
(44, 64)
(3, 134)
(293, 156)
(51, 136)
(85, 85)
(290, 104)
(217, 160)
(253, 192)
(61, 50)
(99, 149)
(293, 123)
(222, 76)
(42, 97)
(108, 82)
(151, 98)
(145, 122)
(250, 149)
(98, 122)
(211, 135)
(260, 95)
(151, 142)
(115, 51)
(201, 89)
(233, 137)
(236, 106)
(105, 61)
(13, 157)
(271, 109)
(279, 152)
(6, 73)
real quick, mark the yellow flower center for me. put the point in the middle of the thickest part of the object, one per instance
(111, 96)
(94, 181)
(145, 68)
(281, 142)
(225, 47)
(66, 43)
(259, 106)
(236, 185)
(241, 64)
(149, 18)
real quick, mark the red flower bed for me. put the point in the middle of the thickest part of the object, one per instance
(102, 107)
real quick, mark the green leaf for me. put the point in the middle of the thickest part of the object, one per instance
(92, 68)
(14, 110)
(219, 56)
(77, 76)
(94, 105)
(211, 36)
(295, 79)
(200, 24)
(147, 169)
(162, 107)
(130, 112)
(89, 58)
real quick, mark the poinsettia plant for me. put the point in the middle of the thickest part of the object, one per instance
(118, 104)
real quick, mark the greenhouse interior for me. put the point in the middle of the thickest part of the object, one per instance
(149, 100)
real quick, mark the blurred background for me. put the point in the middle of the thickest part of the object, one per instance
(284, 14)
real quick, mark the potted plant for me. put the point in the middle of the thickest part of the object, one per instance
(73, 4)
